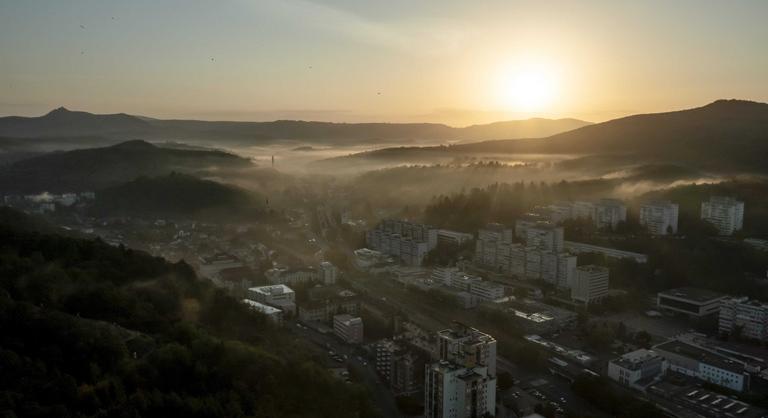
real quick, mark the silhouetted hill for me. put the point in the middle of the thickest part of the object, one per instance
(97, 168)
(62, 122)
(176, 195)
(726, 134)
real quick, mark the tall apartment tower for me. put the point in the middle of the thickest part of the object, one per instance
(609, 212)
(659, 217)
(545, 236)
(725, 213)
(591, 284)
(462, 384)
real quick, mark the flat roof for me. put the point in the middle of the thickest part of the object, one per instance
(692, 293)
(265, 309)
(701, 355)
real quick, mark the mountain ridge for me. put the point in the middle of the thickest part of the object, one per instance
(730, 133)
(64, 122)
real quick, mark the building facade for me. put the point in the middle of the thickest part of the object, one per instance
(348, 328)
(659, 217)
(462, 384)
(725, 213)
(748, 318)
(591, 284)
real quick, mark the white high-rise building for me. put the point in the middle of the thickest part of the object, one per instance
(328, 272)
(725, 213)
(659, 217)
(566, 270)
(406, 241)
(462, 384)
(609, 212)
(591, 284)
(747, 317)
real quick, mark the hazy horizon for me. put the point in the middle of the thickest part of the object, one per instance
(345, 61)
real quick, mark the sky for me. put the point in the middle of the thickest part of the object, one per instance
(448, 61)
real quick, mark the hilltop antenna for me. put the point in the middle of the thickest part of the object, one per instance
(273, 161)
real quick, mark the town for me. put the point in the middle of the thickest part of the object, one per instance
(512, 320)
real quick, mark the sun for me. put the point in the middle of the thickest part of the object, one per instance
(528, 89)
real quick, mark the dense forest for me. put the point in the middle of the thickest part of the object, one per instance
(91, 330)
(178, 195)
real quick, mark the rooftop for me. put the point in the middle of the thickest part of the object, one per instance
(692, 293)
(276, 289)
(701, 355)
(634, 360)
(265, 309)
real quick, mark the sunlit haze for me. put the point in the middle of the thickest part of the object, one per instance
(455, 62)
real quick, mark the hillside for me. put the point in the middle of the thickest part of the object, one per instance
(97, 168)
(95, 330)
(726, 134)
(176, 195)
(62, 122)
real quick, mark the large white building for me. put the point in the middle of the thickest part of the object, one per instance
(690, 301)
(274, 314)
(591, 284)
(279, 296)
(636, 366)
(453, 237)
(462, 384)
(444, 275)
(609, 212)
(725, 213)
(349, 328)
(748, 318)
(292, 276)
(328, 273)
(487, 290)
(693, 360)
(407, 242)
(659, 217)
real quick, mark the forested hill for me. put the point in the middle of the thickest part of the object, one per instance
(177, 195)
(96, 168)
(94, 330)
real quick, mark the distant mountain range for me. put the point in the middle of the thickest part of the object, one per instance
(65, 123)
(97, 168)
(725, 134)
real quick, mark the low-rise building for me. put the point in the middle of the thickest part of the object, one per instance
(349, 328)
(292, 276)
(580, 247)
(692, 360)
(211, 266)
(690, 301)
(279, 296)
(636, 369)
(274, 314)
(445, 236)
(487, 290)
(744, 317)
(464, 282)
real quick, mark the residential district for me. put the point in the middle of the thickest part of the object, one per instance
(512, 326)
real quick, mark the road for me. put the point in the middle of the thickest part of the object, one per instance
(362, 370)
